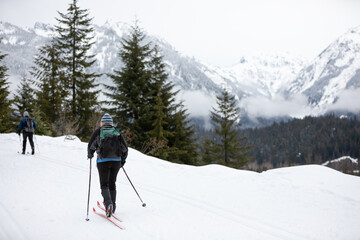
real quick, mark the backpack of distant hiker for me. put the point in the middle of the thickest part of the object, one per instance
(29, 125)
(110, 144)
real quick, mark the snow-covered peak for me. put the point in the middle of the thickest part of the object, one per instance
(43, 29)
(7, 28)
(118, 27)
(271, 72)
(272, 78)
(334, 71)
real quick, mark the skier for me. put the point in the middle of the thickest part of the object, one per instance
(28, 126)
(112, 152)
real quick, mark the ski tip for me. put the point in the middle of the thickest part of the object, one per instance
(94, 209)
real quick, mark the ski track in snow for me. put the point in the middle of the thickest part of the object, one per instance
(254, 224)
(45, 197)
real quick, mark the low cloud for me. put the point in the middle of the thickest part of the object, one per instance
(259, 106)
(349, 100)
(197, 103)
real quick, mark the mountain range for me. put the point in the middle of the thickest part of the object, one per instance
(267, 86)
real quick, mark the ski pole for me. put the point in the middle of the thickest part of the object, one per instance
(143, 204)
(38, 149)
(20, 144)
(88, 202)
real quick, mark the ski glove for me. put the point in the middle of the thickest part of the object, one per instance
(90, 154)
(123, 162)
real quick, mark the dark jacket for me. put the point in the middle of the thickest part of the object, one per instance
(23, 124)
(94, 145)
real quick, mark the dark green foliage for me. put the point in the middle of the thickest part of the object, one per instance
(143, 102)
(161, 98)
(25, 101)
(227, 147)
(75, 36)
(209, 154)
(43, 126)
(5, 109)
(312, 140)
(129, 97)
(24, 98)
(182, 144)
(49, 79)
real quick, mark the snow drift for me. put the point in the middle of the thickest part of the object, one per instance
(44, 197)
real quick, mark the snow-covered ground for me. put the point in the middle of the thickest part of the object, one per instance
(45, 197)
(354, 160)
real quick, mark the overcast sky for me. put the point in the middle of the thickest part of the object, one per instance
(217, 32)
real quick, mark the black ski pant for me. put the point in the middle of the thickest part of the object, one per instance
(30, 136)
(108, 172)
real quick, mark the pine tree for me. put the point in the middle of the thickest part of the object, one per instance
(129, 97)
(75, 40)
(5, 109)
(49, 79)
(225, 119)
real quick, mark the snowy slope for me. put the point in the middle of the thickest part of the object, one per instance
(270, 74)
(332, 75)
(328, 83)
(253, 76)
(44, 197)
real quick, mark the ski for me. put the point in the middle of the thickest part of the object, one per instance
(104, 216)
(27, 153)
(102, 208)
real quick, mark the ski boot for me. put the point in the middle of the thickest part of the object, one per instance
(109, 210)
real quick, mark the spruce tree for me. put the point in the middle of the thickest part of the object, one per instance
(143, 101)
(43, 127)
(24, 99)
(169, 118)
(162, 100)
(182, 142)
(5, 109)
(210, 149)
(159, 132)
(129, 95)
(227, 149)
(49, 79)
(75, 40)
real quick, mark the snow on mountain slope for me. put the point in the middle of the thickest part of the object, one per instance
(335, 71)
(258, 75)
(44, 197)
(262, 83)
(270, 74)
